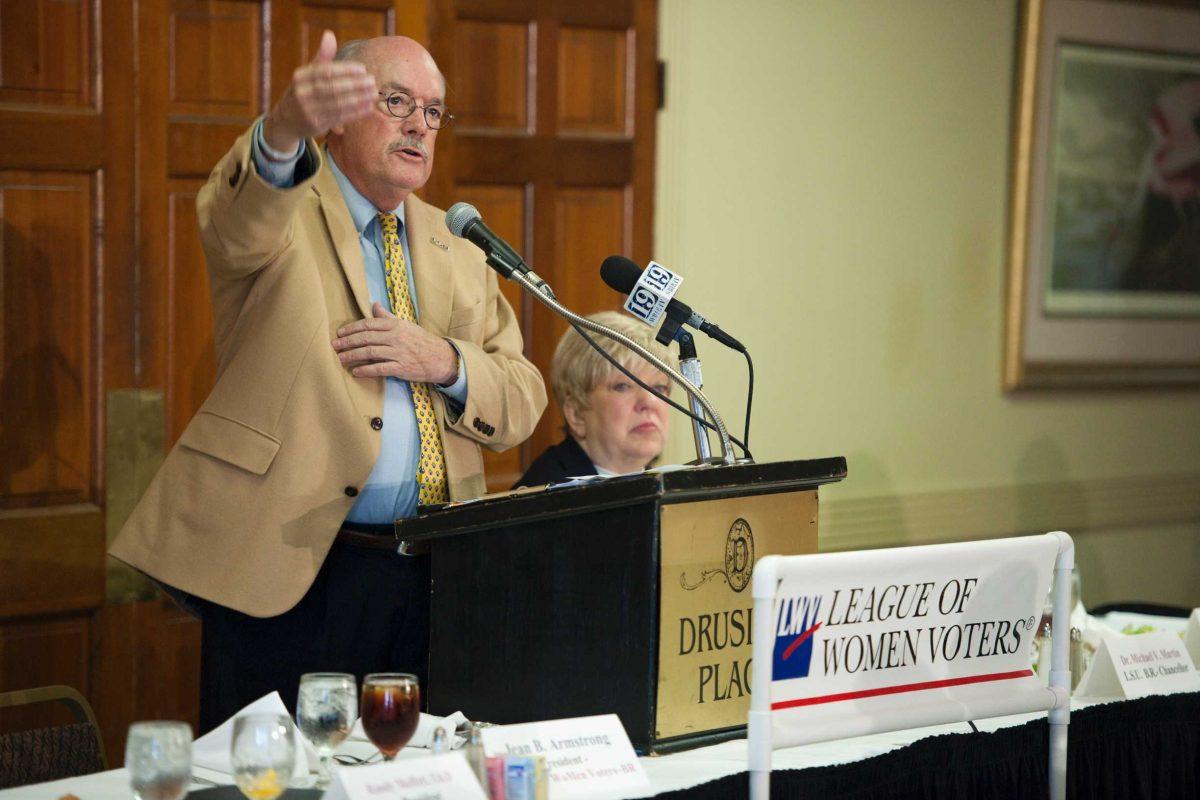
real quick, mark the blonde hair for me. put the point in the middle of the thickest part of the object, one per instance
(576, 368)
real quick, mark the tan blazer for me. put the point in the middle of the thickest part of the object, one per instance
(247, 504)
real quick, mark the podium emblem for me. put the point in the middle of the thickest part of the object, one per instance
(739, 555)
(739, 560)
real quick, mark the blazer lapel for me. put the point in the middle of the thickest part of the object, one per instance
(430, 266)
(345, 238)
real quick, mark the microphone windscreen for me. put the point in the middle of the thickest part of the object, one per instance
(459, 215)
(620, 273)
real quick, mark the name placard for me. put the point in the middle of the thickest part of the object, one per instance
(1191, 636)
(585, 757)
(1136, 666)
(867, 636)
(440, 777)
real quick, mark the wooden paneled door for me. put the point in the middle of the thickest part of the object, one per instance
(67, 277)
(554, 144)
(111, 116)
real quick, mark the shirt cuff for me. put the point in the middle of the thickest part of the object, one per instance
(277, 169)
(457, 391)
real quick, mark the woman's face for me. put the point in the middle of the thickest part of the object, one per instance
(624, 426)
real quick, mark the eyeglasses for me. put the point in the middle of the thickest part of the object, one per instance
(401, 105)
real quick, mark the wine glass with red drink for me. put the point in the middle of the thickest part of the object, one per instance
(390, 708)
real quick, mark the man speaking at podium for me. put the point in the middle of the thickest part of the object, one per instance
(364, 356)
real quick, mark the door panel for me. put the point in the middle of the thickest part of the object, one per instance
(48, 345)
(44, 652)
(46, 54)
(215, 58)
(492, 87)
(593, 76)
(347, 24)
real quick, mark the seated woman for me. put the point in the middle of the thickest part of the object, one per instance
(613, 426)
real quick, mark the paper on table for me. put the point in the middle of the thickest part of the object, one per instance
(446, 776)
(212, 749)
(1141, 665)
(423, 737)
(578, 480)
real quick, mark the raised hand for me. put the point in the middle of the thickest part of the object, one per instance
(322, 95)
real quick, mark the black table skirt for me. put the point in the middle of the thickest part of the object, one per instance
(1147, 748)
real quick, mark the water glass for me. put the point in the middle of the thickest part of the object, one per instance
(1041, 638)
(158, 756)
(263, 753)
(391, 708)
(325, 712)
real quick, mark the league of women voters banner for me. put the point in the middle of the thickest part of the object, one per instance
(881, 634)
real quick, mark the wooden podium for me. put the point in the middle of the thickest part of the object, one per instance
(628, 596)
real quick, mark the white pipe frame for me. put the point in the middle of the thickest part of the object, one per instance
(1055, 699)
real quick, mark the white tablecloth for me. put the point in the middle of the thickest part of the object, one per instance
(666, 773)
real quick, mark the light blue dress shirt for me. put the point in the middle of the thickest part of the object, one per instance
(391, 490)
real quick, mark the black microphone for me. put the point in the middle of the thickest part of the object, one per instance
(622, 275)
(464, 221)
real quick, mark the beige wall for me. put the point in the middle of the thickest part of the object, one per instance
(833, 183)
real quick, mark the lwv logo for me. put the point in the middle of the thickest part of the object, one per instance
(794, 628)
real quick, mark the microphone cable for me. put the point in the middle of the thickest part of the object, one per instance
(749, 398)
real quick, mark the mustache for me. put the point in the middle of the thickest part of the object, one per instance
(411, 143)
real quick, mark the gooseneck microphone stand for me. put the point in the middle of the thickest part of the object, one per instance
(689, 366)
(699, 403)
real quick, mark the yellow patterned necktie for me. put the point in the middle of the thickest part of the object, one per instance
(431, 468)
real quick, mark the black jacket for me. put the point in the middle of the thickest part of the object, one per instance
(559, 462)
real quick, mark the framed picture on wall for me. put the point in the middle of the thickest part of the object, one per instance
(1104, 243)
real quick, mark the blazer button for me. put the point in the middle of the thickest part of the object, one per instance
(351, 491)
(377, 423)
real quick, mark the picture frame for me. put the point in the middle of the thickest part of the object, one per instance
(1104, 219)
